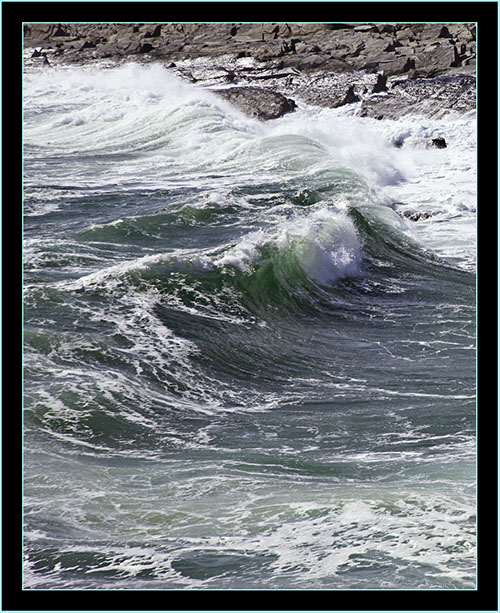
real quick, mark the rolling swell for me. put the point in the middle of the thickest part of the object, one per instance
(206, 327)
(301, 258)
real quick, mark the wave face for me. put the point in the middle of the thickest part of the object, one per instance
(244, 367)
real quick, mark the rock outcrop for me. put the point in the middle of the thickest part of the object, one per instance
(427, 49)
(387, 69)
(428, 97)
(258, 101)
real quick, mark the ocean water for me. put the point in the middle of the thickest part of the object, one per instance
(244, 367)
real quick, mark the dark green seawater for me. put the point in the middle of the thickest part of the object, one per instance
(243, 368)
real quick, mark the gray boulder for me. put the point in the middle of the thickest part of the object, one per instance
(346, 98)
(439, 143)
(258, 101)
(316, 62)
(380, 85)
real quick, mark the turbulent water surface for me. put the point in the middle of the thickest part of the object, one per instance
(244, 367)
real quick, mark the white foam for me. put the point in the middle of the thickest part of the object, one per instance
(159, 264)
(350, 142)
(324, 242)
(441, 182)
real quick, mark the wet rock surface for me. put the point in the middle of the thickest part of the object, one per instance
(437, 97)
(258, 101)
(388, 70)
(416, 215)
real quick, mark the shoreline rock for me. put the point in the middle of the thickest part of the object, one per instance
(258, 102)
(389, 70)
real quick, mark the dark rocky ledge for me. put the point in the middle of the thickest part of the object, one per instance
(389, 70)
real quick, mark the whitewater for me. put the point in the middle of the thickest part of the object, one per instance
(245, 365)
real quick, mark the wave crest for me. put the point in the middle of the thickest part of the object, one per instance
(323, 245)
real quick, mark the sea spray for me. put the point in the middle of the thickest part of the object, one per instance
(324, 244)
